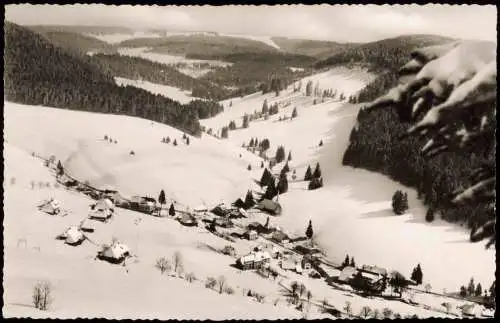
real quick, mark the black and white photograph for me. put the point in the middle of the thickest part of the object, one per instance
(249, 162)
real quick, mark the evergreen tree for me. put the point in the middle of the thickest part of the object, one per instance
(187, 141)
(265, 107)
(309, 231)
(60, 169)
(267, 223)
(261, 164)
(463, 291)
(184, 136)
(321, 143)
(429, 216)
(479, 290)
(251, 143)
(256, 142)
(167, 140)
(163, 140)
(283, 184)
(266, 178)
(308, 175)
(245, 121)
(317, 171)
(352, 264)
(271, 190)
(309, 88)
(399, 203)
(346, 261)
(264, 144)
(224, 132)
(280, 154)
(171, 210)
(106, 137)
(417, 275)
(471, 288)
(249, 200)
(294, 113)
(289, 156)
(249, 167)
(161, 198)
(175, 142)
(285, 169)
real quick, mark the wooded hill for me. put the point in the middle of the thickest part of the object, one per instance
(193, 45)
(374, 143)
(75, 42)
(316, 48)
(38, 72)
(139, 68)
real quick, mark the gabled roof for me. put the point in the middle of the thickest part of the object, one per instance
(374, 270)
(255, 257)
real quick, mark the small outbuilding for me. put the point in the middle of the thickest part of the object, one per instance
(114, 253)
(254, 260)
(73, 236)
(51, 206)
(251, 235)
(103, 210)
(347, 274)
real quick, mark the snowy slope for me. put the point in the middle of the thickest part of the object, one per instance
(352, 213)
(143, 52)
(84, 287)
(78, 141)
(171, 92)
(116, 38)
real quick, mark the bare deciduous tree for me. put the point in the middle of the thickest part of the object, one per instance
(163, 265)
(177, 261)
(210, 282)
(42, 295)
(221, 283)
(190, 277)
(365, 311)
(387, 313)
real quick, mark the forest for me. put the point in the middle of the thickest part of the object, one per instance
(373, 144)
(139, 68)
(252, 72)
(40, 73)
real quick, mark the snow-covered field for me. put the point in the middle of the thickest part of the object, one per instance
(350, 214)
(165, 58)
(192, 67)
(164, 90)
(116, 38)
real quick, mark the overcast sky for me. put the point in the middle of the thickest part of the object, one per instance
(340, 22)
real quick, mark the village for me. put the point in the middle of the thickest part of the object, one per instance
(264, 248)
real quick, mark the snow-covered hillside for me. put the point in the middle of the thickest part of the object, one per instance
(351, 214)
(116, 38)
(192, 67)
(171, 92)
(77, 139)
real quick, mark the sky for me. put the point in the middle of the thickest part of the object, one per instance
(354, 23)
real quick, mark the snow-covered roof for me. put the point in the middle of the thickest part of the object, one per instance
(200, 208)
(115, 250)
(255, 257)
(104, 204)
(73, 234)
